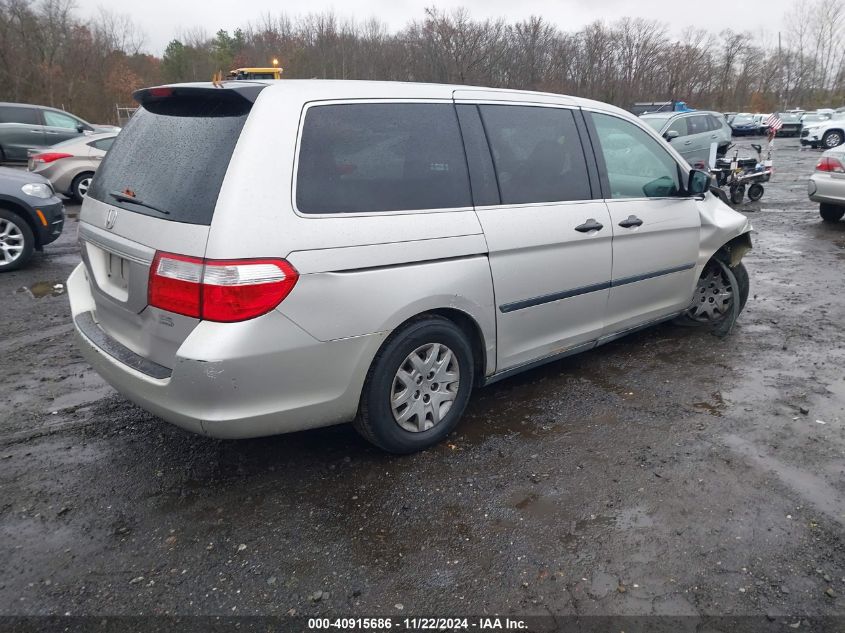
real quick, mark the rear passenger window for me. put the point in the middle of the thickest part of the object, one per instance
(537, 154)
(359, 158)
(698, 124)
(103, 144)
(12, 114)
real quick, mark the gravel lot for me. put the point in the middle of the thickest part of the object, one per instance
(671, 472)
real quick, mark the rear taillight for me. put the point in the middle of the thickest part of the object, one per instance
(826, 163)
(49, 157)
(219, 290)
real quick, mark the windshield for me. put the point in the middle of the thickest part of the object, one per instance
(740, 119)
(655, 122)
(172, 156)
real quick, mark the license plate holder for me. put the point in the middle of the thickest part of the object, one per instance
(117, 271)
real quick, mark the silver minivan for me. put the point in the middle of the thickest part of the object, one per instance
(265, 257)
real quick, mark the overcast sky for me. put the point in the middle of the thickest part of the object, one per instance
(163, 20)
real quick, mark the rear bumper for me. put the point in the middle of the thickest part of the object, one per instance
(233, 380)
(823, 188)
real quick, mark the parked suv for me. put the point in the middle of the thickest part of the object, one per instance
(790, 123)
(24, 127)
(31, 216)
(267, 257)
(692, 133)
(829, 133)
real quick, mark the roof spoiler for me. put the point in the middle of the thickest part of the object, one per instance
(227, 91)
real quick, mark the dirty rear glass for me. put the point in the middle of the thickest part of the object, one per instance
(173, 155)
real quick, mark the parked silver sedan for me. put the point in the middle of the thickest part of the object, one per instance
(70, 166)
(827, 184)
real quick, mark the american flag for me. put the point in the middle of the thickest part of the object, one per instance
(773, 122)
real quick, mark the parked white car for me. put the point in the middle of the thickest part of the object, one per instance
(827, 134)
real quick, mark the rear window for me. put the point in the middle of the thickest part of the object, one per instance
(362, 158)
(173, 155)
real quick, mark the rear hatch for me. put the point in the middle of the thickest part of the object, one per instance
(156, 191)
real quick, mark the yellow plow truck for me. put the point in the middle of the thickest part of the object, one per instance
(256, 73)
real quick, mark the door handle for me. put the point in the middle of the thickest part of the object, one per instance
(36, 131)
(589, 225)
(630, 221)
(688, 143)
(715, 136)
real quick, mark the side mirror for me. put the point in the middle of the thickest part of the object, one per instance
(80, 128)
(698, 183)
(671, 135)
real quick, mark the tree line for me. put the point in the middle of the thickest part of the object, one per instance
(51, 55)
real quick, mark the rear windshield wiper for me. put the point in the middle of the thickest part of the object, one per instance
(122, 197)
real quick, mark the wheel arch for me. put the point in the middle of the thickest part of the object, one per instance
(470, 327)
(834, 129)
(20, 210)
(76, 178)
(732, 251)
(80, 174)
(464, 322)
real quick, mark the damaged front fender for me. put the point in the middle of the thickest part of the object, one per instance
(722, 229)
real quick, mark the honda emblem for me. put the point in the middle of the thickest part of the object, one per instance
(111, 218)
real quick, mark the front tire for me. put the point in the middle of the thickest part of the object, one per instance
(714, 294)
(737, 194)
(16, 241)
(755, 192)
(418, 386)
(831, 212)
(832, 138)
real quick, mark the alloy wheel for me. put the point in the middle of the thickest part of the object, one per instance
(425, 387)
(833, 139)
(82, 187)
(11, 242)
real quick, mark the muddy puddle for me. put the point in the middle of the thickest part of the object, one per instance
(41, 289)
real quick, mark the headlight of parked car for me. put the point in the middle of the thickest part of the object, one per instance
(37, 190)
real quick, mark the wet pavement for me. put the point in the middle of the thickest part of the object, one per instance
(671, 472)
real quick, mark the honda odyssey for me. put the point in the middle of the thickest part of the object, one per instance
(270, 256)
